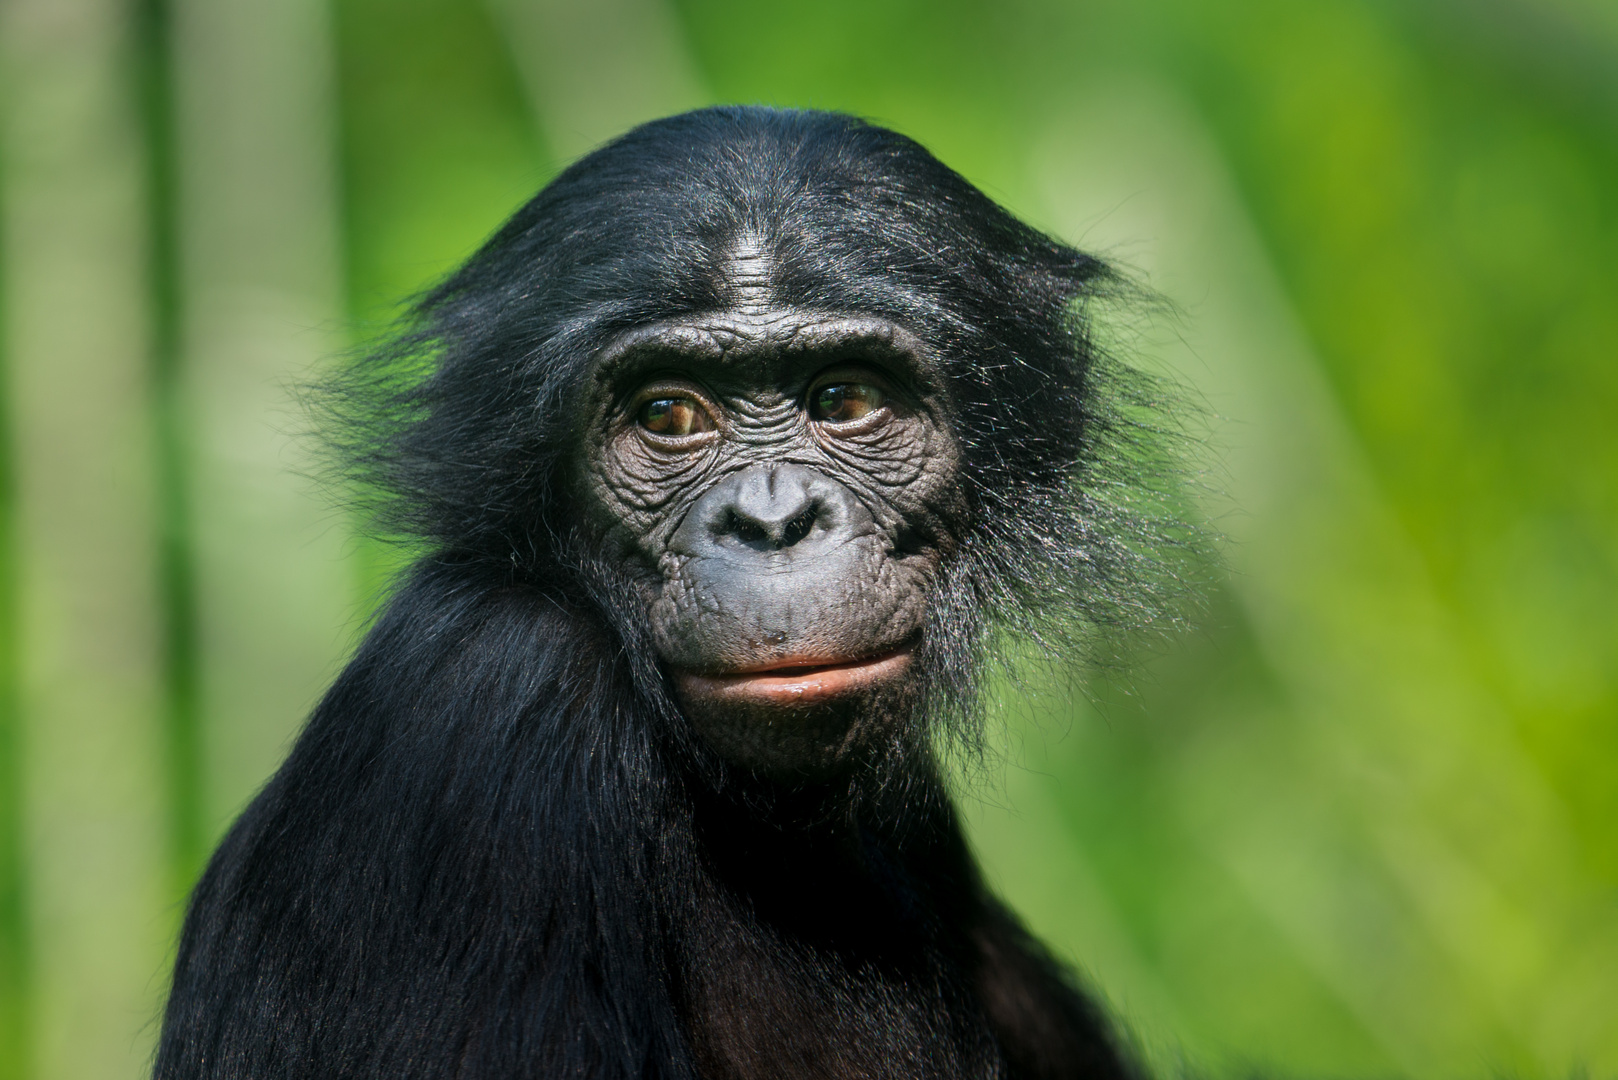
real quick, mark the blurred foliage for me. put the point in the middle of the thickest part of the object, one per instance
(1363, 818)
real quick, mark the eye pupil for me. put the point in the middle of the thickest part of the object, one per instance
(839, 403)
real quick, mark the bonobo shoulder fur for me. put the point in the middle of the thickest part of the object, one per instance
(734, 456)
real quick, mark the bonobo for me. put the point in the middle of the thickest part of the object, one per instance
(734, 457)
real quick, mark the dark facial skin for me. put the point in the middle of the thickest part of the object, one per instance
(784, 486)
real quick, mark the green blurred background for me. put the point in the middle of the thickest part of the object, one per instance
(1363, 821)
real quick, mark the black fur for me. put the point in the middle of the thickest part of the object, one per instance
(497, 850)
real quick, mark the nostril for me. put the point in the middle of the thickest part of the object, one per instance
(790, 511)
(774, 534)
(800, 526)
(745, 529)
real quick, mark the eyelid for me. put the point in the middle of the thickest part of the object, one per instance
(860, 372)
(670, 387)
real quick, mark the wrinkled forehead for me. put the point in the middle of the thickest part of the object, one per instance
(767, 346)
(765, 305)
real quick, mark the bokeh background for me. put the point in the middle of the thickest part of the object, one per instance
(1362, 821)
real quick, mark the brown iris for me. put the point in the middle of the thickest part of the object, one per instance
(840, 403)
(674, 417)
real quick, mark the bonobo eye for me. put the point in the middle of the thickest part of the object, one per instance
(842, 402)
(674, 417)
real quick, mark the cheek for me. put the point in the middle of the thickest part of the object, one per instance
(915, 475)
(637, 492)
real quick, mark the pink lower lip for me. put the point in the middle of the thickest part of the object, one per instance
(797, 684)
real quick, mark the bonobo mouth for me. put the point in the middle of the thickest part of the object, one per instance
(798, 682)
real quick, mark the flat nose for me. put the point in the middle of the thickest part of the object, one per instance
(784, 508)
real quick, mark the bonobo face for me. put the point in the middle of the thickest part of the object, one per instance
(784, 485)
